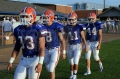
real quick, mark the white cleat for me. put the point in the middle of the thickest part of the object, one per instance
(87, 73)
(71, 77)
(101, 68)
(74, 77)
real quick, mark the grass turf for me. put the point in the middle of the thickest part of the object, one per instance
(109, 54)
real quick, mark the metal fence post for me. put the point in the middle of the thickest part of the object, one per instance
(2, 36)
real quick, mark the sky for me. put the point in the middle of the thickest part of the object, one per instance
(66, 2)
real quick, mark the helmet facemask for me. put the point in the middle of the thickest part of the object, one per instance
(46, 20)
(72, 21)
(26, 19)
(92, 18)
(48, 17)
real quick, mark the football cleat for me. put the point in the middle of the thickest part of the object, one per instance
(101, 68)
(71, 77)
(87, 73)
(74, 77)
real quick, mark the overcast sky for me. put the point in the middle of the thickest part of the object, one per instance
(65, 2)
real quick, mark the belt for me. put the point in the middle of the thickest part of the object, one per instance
(30, 56)
(74, 44)
(51, 48)
(91, 40)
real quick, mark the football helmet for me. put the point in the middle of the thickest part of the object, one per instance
(72, 18)
(27, 16)
(92, 17)
(48, 16)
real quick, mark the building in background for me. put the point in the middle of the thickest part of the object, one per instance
(57, 7)
(88, 6)
(111, 12)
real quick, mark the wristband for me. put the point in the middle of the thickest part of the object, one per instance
(41, 59)
(64, 51)
(11, 60)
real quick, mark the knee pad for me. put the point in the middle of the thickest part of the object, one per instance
(47, 68)
(71, 61)
(87, 56)
(96, 58)
(52, 66)
(76, 60)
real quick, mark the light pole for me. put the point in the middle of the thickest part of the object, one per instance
(104, 4)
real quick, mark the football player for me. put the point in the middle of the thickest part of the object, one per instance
(74, 33)
(30, 37)
(53, 38)
(94, 39)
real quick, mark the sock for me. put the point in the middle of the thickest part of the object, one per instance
(88, 69)
(75, 72)
(71, 73)
(100, 64)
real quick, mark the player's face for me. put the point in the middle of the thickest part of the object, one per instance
(92, 20)
(46, 20)
(72, 21)
(25, 19)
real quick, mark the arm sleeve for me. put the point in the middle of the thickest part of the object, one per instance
(42, 31)
(60, 28)
(82, 27)
(101, 26)
(17, 44)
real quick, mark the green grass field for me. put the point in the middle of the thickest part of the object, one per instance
(109, 54)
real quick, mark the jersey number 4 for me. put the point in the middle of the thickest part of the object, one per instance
(29, 42)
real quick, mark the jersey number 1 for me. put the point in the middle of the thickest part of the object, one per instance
(73, 37)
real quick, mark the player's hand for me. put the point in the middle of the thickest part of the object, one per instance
(38, 68)
(63, 56)
(9, 67)
(98, 47)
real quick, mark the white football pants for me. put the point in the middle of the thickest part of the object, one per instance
(74, 53)
(92, 47)
(27, 66)
(51, 58)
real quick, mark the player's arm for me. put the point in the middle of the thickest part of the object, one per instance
(62, 40)
(62, 44)
(65, 37)
(41, 49)
(100, 38)
(84, 40)
(16, 49)
(83, 37)
(14, 54)
(41, 42)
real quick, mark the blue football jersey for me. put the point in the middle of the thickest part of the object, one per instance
(74, 33)
(52, 38)
(27, 38)
(92, 30)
